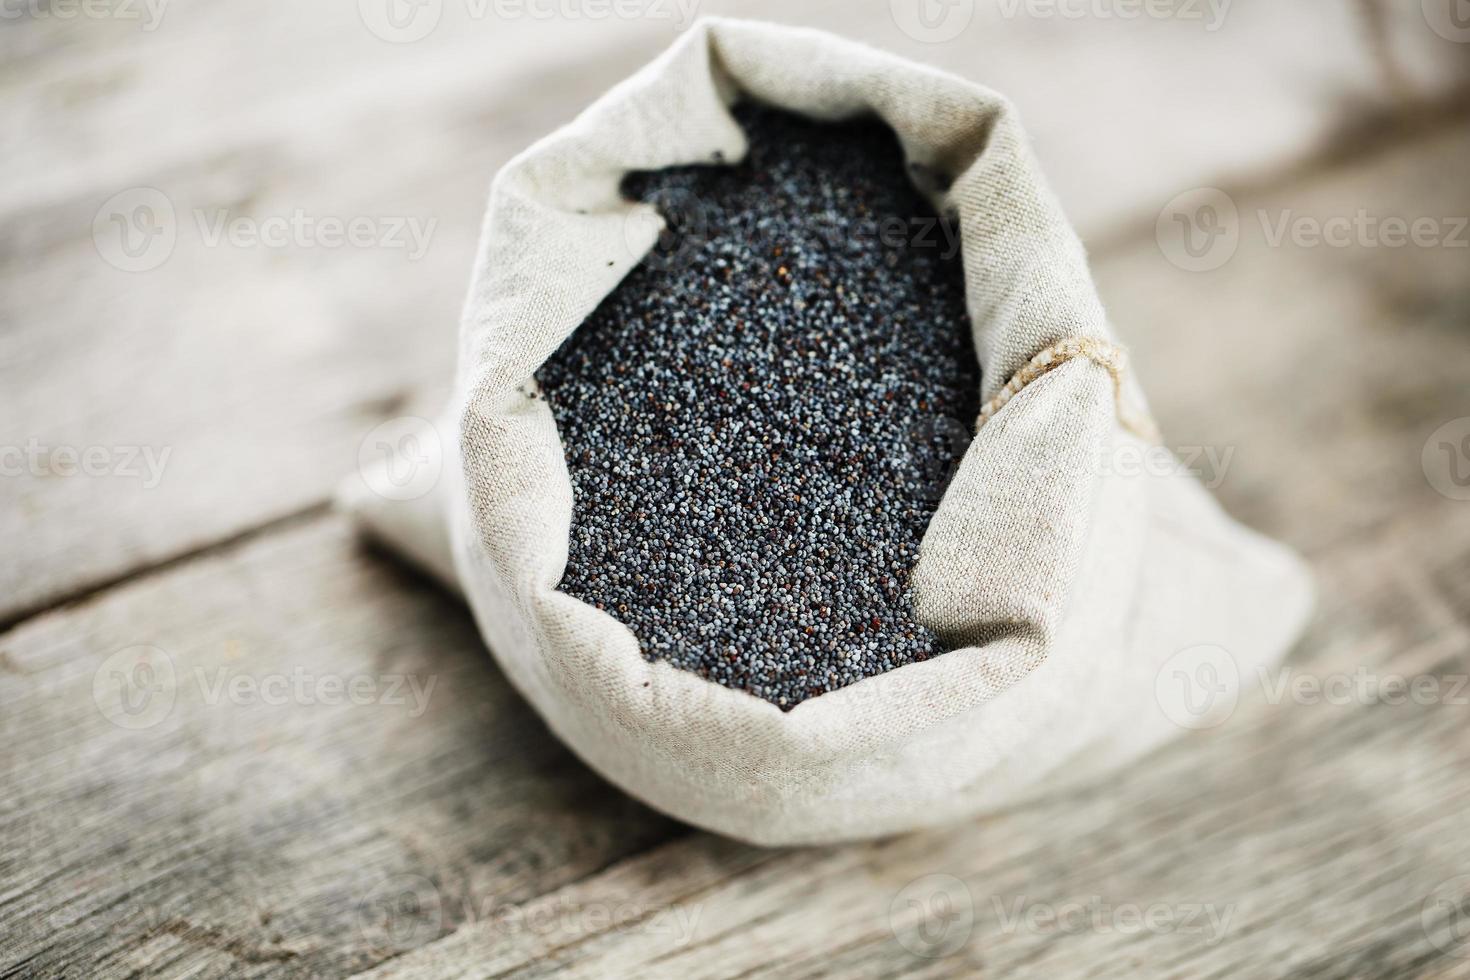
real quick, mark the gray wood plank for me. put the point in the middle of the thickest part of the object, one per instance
(1296, 838)
(1316, 373)
(317, 740)
(249, 375)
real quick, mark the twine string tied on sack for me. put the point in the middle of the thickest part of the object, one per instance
(1111, 357)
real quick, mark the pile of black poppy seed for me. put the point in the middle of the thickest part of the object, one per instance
(757, 419)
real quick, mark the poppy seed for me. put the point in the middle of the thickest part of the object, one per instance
(760, 419)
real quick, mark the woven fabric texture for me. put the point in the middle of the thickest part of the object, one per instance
(1063, 582)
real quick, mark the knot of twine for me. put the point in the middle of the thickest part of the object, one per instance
(1108, 355)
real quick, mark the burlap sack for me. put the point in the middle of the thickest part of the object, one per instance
(1069, 580)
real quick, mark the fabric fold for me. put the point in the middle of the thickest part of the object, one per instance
(1065, 583)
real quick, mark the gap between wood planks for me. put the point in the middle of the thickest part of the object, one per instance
(226, 543)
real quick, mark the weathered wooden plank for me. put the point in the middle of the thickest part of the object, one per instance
(314, 739)
(1088, 74)
(246, 375)
(232, 384)
(1298, 837)
(1314, 373)
(240, 837)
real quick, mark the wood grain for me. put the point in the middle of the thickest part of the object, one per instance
(324, 740)
(429, 826)
(1314, 372)
(1296, 839)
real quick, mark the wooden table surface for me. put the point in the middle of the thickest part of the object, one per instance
(236, 742)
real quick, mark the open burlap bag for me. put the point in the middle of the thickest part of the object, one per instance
(1064, 581)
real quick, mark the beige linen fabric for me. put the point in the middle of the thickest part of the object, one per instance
(1063, 579)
